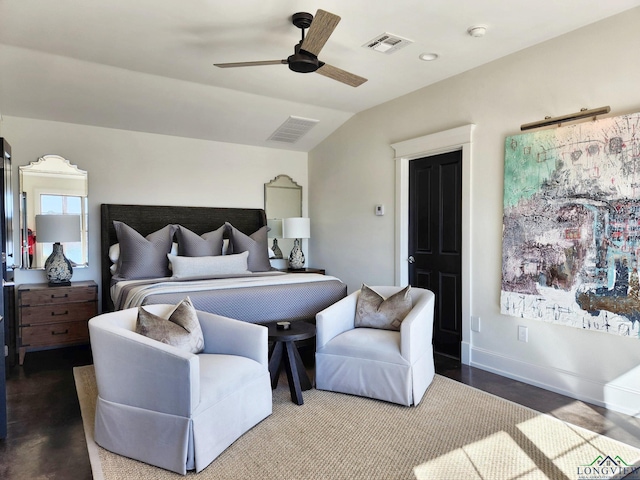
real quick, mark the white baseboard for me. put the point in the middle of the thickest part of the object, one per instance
(465, 353)
(619, 397)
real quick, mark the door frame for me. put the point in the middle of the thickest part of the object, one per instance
(459, 138)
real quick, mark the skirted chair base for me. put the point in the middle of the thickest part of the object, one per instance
(382, 364)
(170, 408)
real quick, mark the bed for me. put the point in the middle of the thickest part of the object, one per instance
(251, 297)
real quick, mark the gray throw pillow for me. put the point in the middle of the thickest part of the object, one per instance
(374, 311)
(256, 244)
(191, 244)
(143, 257)
(182, 328)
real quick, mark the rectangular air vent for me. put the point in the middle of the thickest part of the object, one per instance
(293, 129)
(387, 43)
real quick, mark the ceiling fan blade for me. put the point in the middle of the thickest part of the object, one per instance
(322, 26)
(340, 75)
(250, 64)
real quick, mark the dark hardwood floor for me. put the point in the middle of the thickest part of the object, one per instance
(46, 439)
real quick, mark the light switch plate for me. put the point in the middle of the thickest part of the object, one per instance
(523, 333)
(475, 323)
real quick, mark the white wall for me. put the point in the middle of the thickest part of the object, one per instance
(353, 170)
(141, 168)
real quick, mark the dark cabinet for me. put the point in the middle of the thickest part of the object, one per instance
(6, 250)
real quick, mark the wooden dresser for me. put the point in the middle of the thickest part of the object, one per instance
(53, 317)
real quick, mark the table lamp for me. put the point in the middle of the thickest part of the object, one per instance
(296, 228)
(56, 229)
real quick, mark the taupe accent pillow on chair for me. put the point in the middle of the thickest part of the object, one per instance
(374, 311)
(182, 328)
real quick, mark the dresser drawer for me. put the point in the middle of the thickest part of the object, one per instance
(52, 317)
(55, 334)
(56, 295)
(69, 312)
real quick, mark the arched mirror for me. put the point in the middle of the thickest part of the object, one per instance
(53, 186)
(282, 199)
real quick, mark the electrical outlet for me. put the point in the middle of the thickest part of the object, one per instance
(523, 333)
(475, 323)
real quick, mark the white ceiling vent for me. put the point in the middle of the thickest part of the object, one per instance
(387, 43)
(293, 129)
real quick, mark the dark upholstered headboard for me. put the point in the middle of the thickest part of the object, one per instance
(147, 219)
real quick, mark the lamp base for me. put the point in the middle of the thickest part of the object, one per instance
(276, 249)
(60, 284)
(58, 267)
(296, 257)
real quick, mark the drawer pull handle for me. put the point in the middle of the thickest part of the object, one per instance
(54, 314)
(60, 333)
(60, 296)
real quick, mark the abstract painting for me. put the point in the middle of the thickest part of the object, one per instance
(571, 226)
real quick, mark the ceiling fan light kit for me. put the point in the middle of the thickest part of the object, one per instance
(305, 55)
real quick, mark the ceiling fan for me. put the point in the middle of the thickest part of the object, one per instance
(305, 56)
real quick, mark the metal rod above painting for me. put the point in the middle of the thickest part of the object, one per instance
(584, 113)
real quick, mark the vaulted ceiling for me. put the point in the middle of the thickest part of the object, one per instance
(147, 65)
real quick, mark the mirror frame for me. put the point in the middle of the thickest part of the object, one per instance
(38, 168)
(279, 183)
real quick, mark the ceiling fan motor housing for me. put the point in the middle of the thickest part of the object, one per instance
(302, 61)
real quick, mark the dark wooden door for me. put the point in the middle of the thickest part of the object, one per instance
(435, 242)
(5, 181)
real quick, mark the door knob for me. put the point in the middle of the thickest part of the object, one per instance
(411, 259)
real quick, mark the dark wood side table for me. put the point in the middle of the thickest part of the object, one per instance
(285, 353)
(305, 270)
(52, 317)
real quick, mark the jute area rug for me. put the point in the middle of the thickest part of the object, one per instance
(456, 433)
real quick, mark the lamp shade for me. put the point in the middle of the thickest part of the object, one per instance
(296, 227)
(275, 224)
(57, 228)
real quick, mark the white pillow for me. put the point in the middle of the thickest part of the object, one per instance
(114, 252)
(186, 267)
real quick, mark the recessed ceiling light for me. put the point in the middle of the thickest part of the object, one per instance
(428, 57)
(477, 31)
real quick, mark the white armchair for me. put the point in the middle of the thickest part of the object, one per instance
(383, 364)
(170, 408)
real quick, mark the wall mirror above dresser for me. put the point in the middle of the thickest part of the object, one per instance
(282, 199)
(52, 186)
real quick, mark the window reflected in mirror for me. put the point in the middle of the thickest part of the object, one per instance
(52, 186)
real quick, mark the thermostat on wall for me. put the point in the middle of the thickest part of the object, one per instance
(379, 210)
